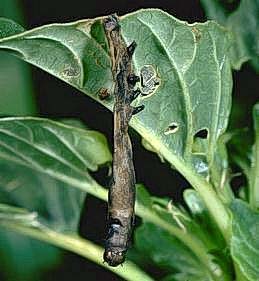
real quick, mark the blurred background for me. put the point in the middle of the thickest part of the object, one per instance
(27, 91)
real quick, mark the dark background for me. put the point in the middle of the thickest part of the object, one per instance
(55, 99)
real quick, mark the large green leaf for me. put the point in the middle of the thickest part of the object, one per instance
(167, 252)
(40, 160)
(244, 241)
(191, 96)
(63, 152)
(56, 203)
(28, 184)
(244, 23)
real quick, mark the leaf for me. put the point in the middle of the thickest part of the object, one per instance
(167, 252)
(75, 57)
(23, 258)
(177, 51)
(30, 180)
(162, 220)
(244, 241)
(9, 27)
(57, 204)
(244, 23)
(40, 160)
(63, 152)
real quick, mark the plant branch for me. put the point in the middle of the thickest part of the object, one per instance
(254, 175)
(80, 246)
(238, 273)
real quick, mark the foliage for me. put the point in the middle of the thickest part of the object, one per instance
(46, 166)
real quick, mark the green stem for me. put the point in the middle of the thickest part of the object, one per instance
(239, 275)
(215, 206)
(129, 271)
(254, 175)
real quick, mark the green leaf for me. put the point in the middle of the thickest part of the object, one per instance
(63, 152)
(40, 158)
(57, 204)
(244, 241)
(75, 57)
(29, 185)
(23, 258)
(244, 23)
(190, 98)
(9, 28)
(175, 222)
(177, 51)
(167, 252)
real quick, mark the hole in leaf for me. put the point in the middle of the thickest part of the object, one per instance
(202, 134)
(149, 80)
(171, 129)
(239, 183)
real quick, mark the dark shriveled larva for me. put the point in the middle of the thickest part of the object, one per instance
(122, 191)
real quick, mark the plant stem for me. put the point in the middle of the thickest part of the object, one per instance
(129, 271)
(239, 275)
(215, 206)
(254, 175)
